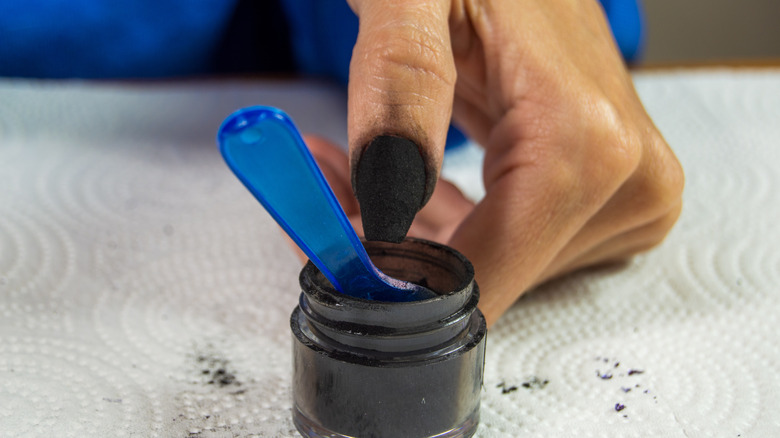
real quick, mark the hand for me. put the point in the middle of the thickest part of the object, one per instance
(575, 172)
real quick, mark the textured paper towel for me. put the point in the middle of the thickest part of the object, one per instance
(143, 291)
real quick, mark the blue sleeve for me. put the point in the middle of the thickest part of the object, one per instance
(627, 21)
(323, 33)
(95, 38)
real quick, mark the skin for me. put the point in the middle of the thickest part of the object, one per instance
(576, 174)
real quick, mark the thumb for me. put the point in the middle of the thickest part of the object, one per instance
(401, 86)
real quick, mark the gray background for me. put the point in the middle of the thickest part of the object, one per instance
(682, 31)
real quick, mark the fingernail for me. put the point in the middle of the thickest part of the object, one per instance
(390, 186)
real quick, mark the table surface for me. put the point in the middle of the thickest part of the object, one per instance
(144, 292)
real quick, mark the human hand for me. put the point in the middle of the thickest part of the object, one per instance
(575, 172)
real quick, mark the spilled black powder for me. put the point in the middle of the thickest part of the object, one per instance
(533, 383)
(214, 370)
(506, 389)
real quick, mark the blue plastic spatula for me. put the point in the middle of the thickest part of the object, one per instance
(266, 152)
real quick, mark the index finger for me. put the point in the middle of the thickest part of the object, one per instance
(402, 79)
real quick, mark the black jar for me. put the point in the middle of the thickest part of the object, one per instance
(365, 368)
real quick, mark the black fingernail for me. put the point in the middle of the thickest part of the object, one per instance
(390, 187)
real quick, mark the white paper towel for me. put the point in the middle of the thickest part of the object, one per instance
(144, 292)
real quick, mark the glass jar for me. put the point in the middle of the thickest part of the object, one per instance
(365, 368)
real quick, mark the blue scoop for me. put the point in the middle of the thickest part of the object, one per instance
(266, 152)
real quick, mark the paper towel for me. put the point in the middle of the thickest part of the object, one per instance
(144, 292)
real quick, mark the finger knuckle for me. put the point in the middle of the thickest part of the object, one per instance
(624, 150)
(409, 48)
(639, 157)
(663, 181)
(673, 180)
(657, 230)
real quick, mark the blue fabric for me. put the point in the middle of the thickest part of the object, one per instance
(627, 21)
(159, 38)
(324, 32)
(148, 38)
(99, 39)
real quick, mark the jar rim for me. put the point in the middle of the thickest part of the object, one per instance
(324, 300)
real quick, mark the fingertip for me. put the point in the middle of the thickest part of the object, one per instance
(402, 79)
(390, 185)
